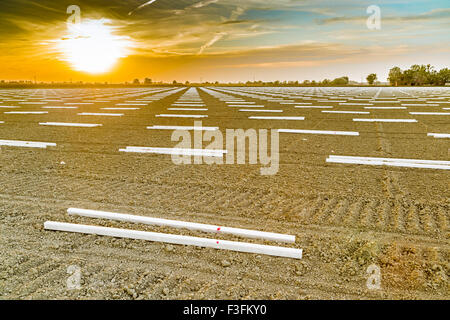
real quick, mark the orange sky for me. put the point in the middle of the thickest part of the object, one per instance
(227, 40)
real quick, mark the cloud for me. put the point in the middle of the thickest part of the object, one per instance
(442, 14)
(216, 38)
(141, 6)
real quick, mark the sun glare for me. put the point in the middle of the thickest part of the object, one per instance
(91, 46)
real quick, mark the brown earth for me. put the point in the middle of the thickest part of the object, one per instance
(345, 217)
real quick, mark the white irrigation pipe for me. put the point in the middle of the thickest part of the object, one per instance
(187, 109)
(176, 151)
(409, 163)
(101, 114)
(393, 159)
(355, 104)
(183, 128)
(386, 108)
(275, 118)
(419, 105)
(384, 120)
(181, 116)
(120, 108)
(50, 107)
(245, 105)
(432, 113)
(85, 103)
(259, 110)
(313, 107)
(346, 112)
(30, 144)
(176, 239)
(342, 133)
(439, 135)
(240, 102)
(182, 224)
(67, 124)
(27, 102)
(188, 105)
(26, 112)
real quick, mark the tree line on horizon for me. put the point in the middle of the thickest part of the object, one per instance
(416, 75)
(419, 75)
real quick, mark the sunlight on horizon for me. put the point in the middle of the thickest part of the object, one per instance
(92, 47)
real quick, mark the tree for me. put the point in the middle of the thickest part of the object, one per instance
(419, 74)
(136, 81)
(442, 77)
(148, 81)
(395, 76)
(342, 81)
(371, 78)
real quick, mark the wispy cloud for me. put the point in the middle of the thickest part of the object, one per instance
(435, 14)
(216, 38)
(141, 6)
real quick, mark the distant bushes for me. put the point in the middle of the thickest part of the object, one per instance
(419, 75)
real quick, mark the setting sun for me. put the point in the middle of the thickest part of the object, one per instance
(92, 47)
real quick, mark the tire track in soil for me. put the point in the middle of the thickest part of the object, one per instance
(317, 203)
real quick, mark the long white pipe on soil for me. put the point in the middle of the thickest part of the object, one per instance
(182, 224)
(175, 239)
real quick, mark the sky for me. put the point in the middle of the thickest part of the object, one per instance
(219, 40)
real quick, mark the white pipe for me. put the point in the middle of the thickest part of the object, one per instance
(439, 135)
(188, 105)
(199, 128)
(432, 113)
(386, 108)
(176, 151)
(246, 105)
(355, 104)
(275, 118)
(342, 133)
(176, 239)
(67, 124)
(240, 102)
(181, 116)
(120, 108)
(419, 105)
(26, 112)
(347, 112)
(84, 103)
(101, 114)
(259, 110)
(392, 159)
(187, 109)
(314, 107)
(30, 144)
(408, 163)
(50, 107)
(384, 120)
(182, 224)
